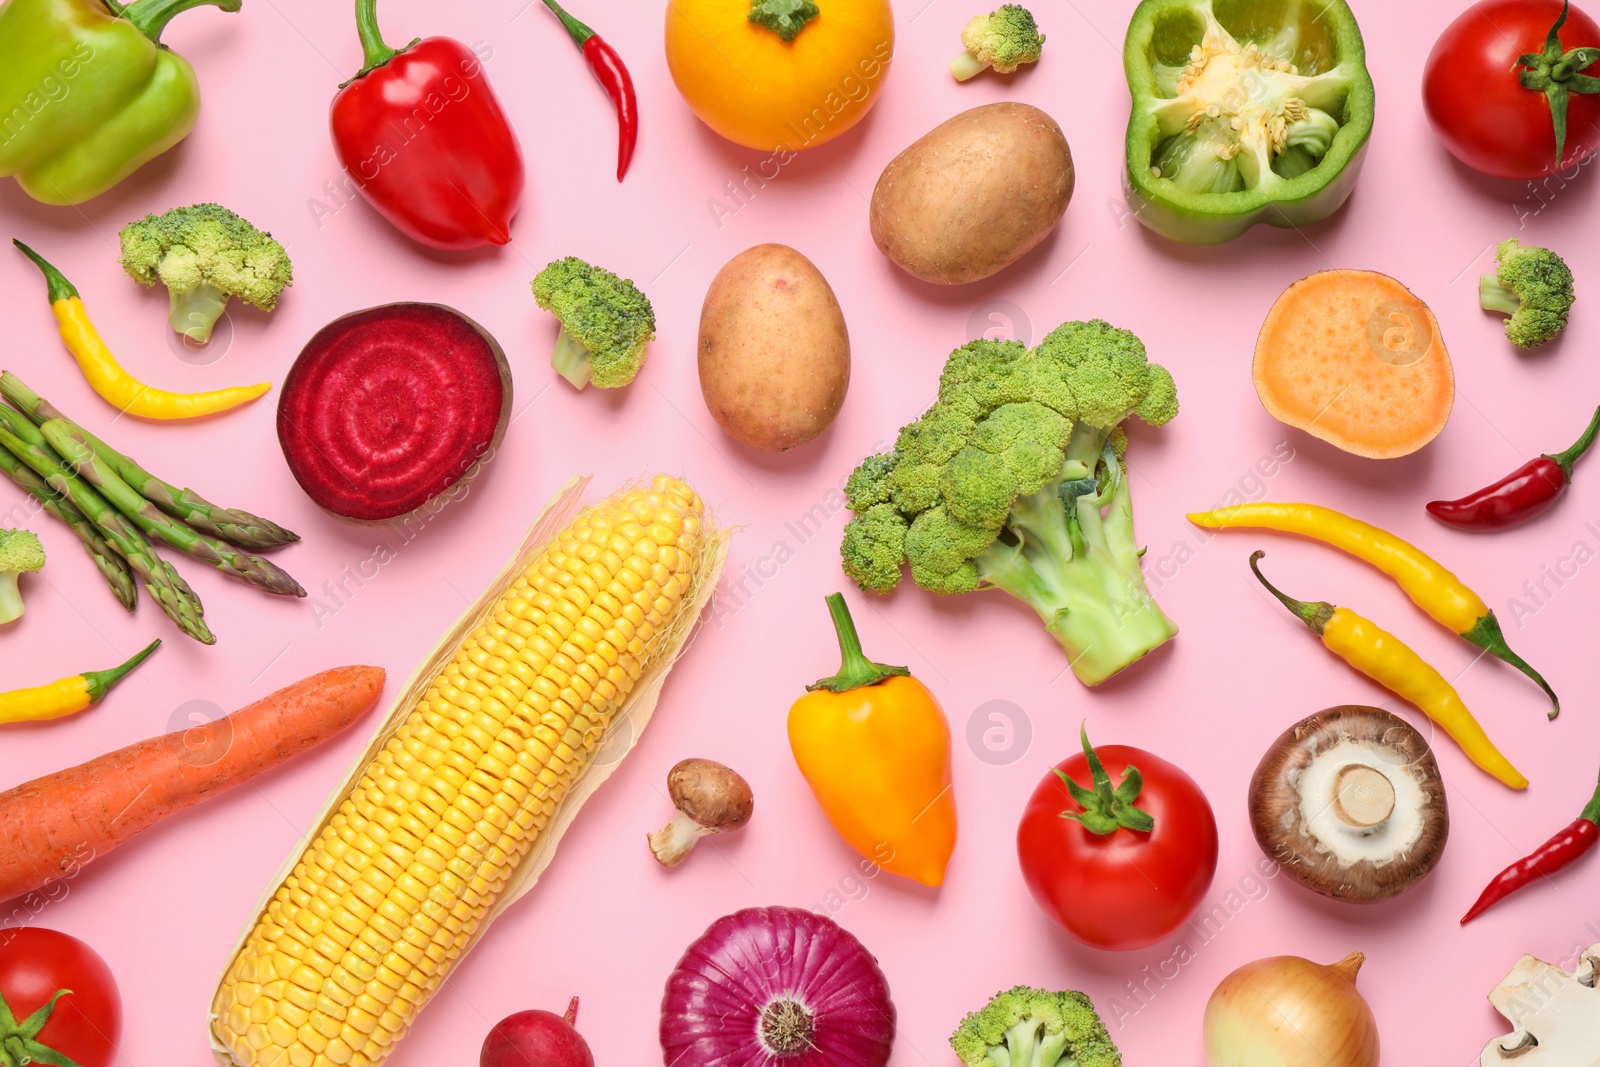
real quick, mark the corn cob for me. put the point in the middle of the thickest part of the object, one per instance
(389, 893)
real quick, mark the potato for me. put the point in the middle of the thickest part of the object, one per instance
(974, 195)
(774, 352)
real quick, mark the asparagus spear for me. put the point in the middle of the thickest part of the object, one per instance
(233, 525)
(23, 440)
(80, 457)
(115, 569)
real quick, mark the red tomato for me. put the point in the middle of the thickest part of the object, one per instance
(1479, 109)
(1126, 889)
(87, 1023)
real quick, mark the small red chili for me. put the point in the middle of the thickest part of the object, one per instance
(1577, 839)
(613, 76)
(1524, 493)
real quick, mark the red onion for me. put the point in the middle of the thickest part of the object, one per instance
(776, 987)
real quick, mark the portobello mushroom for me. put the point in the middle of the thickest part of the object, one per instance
(1349, 803)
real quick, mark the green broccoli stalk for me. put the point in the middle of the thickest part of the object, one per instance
(786, 18)
(20, 553)
(1533, 286)
(1015, 480)
(1004, 39)
(605, 323)
(205, 255)
(1025, 1027)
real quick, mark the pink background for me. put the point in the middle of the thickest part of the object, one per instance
(607, 922)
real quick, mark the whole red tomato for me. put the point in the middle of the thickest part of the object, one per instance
(1136, 884)
(1479, 107)
(85, 1024)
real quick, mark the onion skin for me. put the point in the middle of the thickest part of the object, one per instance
(747, 965)
(1290, 1012)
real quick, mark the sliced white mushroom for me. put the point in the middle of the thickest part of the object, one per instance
(1349, 803)
(1554, 1014)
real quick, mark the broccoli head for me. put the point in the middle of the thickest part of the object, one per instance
(1025, 1027)
(605, 323)
(205, 254)
(1014, 479)
(1004, 39)
(20, 553)
(1533, 286)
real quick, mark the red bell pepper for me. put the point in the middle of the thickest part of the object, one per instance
(423, 137)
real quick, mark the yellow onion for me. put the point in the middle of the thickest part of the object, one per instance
(1289, 1012)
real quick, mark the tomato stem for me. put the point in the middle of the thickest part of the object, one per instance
(1106, 808)
(19, 1042)
(1556, 73)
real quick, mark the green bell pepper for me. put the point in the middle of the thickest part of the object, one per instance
(88, 94)
(1244, 111)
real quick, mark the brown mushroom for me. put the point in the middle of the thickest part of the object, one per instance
(710, 798)
(1349, 803)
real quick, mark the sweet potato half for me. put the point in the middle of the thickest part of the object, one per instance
(1353, 357)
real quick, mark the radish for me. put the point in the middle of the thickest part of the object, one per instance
(536, 1039)
(390, 408)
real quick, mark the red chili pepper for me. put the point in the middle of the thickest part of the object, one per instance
(1562, 850)
(422, 135)
(613, 77)
(1519, 496)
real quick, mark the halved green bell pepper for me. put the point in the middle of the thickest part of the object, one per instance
(1244, 111)
(88, 94)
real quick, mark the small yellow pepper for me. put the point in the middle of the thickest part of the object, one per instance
(69, 695)
(1421, 577)
(108, 377)
(875, 747)
(1388, 661)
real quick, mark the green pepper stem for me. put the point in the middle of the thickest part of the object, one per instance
(856, 671)
(151, 16)
(1591, 811)
(1487, 635)
(59, 287)
(1106, 809)
(1566, 460)
(580, 33)
(101, 682)
(1314, 615)
(374, 52)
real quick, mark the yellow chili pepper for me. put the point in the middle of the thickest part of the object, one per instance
(1387, 660)
(875, 747)
(108, 377)
(69, 695)
(1424, 579)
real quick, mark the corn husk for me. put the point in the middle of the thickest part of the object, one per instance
(621, 735)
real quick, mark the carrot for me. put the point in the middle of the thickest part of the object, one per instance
(1352, 357)
(53, 826)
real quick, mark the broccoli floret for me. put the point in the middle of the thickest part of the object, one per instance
(1015, 480)
(1025, 1027)
(605, 323)
(1004, 39)
(1533, 286)
(204, 255)
(20, 553)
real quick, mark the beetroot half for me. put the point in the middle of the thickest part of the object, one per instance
(388, 408)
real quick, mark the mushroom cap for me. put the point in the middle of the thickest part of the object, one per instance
(1319, 810)
(715, 797)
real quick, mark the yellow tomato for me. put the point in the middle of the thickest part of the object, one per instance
(758, 90)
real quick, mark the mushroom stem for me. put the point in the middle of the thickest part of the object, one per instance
(673, 841)
(1362, 796)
